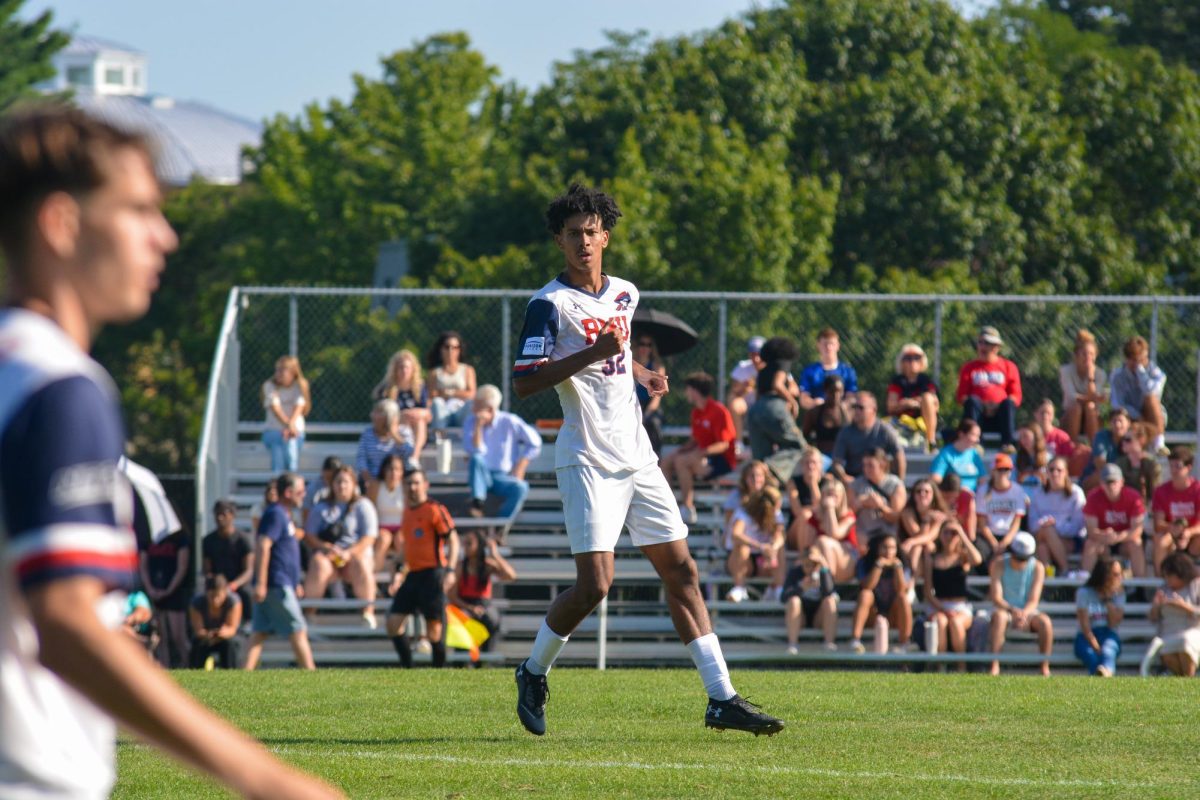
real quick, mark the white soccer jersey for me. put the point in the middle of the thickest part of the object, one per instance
(65, 510)
(602, 421)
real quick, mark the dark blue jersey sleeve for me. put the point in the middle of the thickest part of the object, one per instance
(537, 337)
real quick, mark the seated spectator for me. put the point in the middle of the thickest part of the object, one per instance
(823, 423)
(709, 452)
(402, 383)
(138, 621)
(1176, 609)
(812, 377)
(228, 552)
(1100, 608)
(865, 434)
(831, 530)
(1000, 505)
(499, 447)
(287, 400)
(422, 583)
(1106, 447)
(1015, 591)
(387, 495)
(383, 437)
(1032, 456)
(771, 421)
(1141, 471)
(645, 352)
(803, 491)
(961, 501)
(1137, 387)
(755, 544)
(912, 396)
(989, 388)
(451, 381)
(741, 384)
(810, 601)
(480, 567)
(961, 457)
(1058, 442)
(920, 522)
(342, 533)
(753, 478)
(884, 582)
(877, 497)
(316, 493)
(1115, 515)
(1084, 389)
(1056, 517)
(946, 586)
(165, 572)
(216, 617)
(1176, 507)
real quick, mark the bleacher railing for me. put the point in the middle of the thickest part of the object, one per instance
(345, 336)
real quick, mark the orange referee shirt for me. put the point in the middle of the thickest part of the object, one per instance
(426, 528)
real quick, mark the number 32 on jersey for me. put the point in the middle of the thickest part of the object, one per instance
(593, 327)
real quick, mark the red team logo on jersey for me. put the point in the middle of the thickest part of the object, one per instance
(623, 301)
(593, 326)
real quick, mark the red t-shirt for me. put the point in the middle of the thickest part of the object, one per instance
(962, 506)
(1116, 515)
(1176, 504)
(851, 535)
(1059, 443)
(991, 383)
(712, 423)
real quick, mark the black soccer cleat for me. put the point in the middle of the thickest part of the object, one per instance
(739, 714)
(532, 694)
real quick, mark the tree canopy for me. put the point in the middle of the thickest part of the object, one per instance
(25, 52)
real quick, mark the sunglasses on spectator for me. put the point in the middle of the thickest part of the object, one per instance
(858, 406)
(1128, 439)
(1002, 469)
(911, 357)
(645, 343)
(449, 346)
(1058, 469)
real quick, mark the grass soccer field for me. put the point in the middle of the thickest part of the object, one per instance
(639, 734)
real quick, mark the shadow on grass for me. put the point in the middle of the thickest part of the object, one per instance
(282, 741)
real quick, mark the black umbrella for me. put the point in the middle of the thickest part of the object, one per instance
(670, 333)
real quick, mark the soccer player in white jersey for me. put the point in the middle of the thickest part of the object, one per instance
(84, 242)
(575, 339)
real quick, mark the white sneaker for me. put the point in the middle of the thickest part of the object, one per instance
(369, 620)
(1078, 575)
(793, 650)
(689, 514)
(856, 645)
(830, 646)
(737, 594)
(772, 593)
(900, 649)
(1151, 652)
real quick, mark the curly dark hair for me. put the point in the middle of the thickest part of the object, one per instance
(581, 200)
(779, 348)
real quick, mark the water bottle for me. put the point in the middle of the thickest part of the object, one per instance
(931, 637)
(445, 456)
(881, 634)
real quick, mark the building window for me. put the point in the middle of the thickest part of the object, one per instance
(137, 77)
(114, 76)
(79, 76)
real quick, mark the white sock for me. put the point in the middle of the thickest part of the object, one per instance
(706, 655)
(546, 648)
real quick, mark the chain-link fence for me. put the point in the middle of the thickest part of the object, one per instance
(344, 338)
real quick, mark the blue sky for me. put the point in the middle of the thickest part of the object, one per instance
(261, 57)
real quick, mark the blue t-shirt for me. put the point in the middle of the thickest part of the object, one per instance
(967, 464)
(812, 378)
(284, 567)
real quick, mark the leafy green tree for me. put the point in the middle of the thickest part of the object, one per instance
(1170, 26)
(26, 49)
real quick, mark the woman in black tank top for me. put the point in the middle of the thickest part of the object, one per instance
(946, 586)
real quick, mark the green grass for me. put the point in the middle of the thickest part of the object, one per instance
(638, 734)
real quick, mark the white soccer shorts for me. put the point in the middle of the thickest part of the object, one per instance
(597, 504)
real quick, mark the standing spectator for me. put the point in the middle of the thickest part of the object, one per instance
(381, 438)
(402, 383)
(1100, 608)
(1115, 515)
(960, 500)
(480, 567)
(165, 568)
(1056, 517)
(216, 616)
(1106, 447)
(866, 433)
(755, 542)
(287, 400)
(810, 600)
(645, 352)
(1015, 589)
(1032, 456)
(742, 379)
(1176, 507)
(774, 436)
(823, 423)
(1084, 389)
(1176, 609)
(877, 497)
(451, 381)
(812, 378)
(831, 530)
(804, 490)
(709, 453)
(1058, 441)
(387, 495)
(1137, 387)
(342, 532)
(229, 553)
(912, 396)
(920, 522)
(884, 582)
(1141, 471)
(1000, 506)
(276, 576)
(499, 447)
(421, 584)
(961, 457)
(946, 586)
(989, 388)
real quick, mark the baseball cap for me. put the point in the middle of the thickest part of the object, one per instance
(990, 335)
(1002, 461)
(1022, 545)
(1111, 472)
(755, 344)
